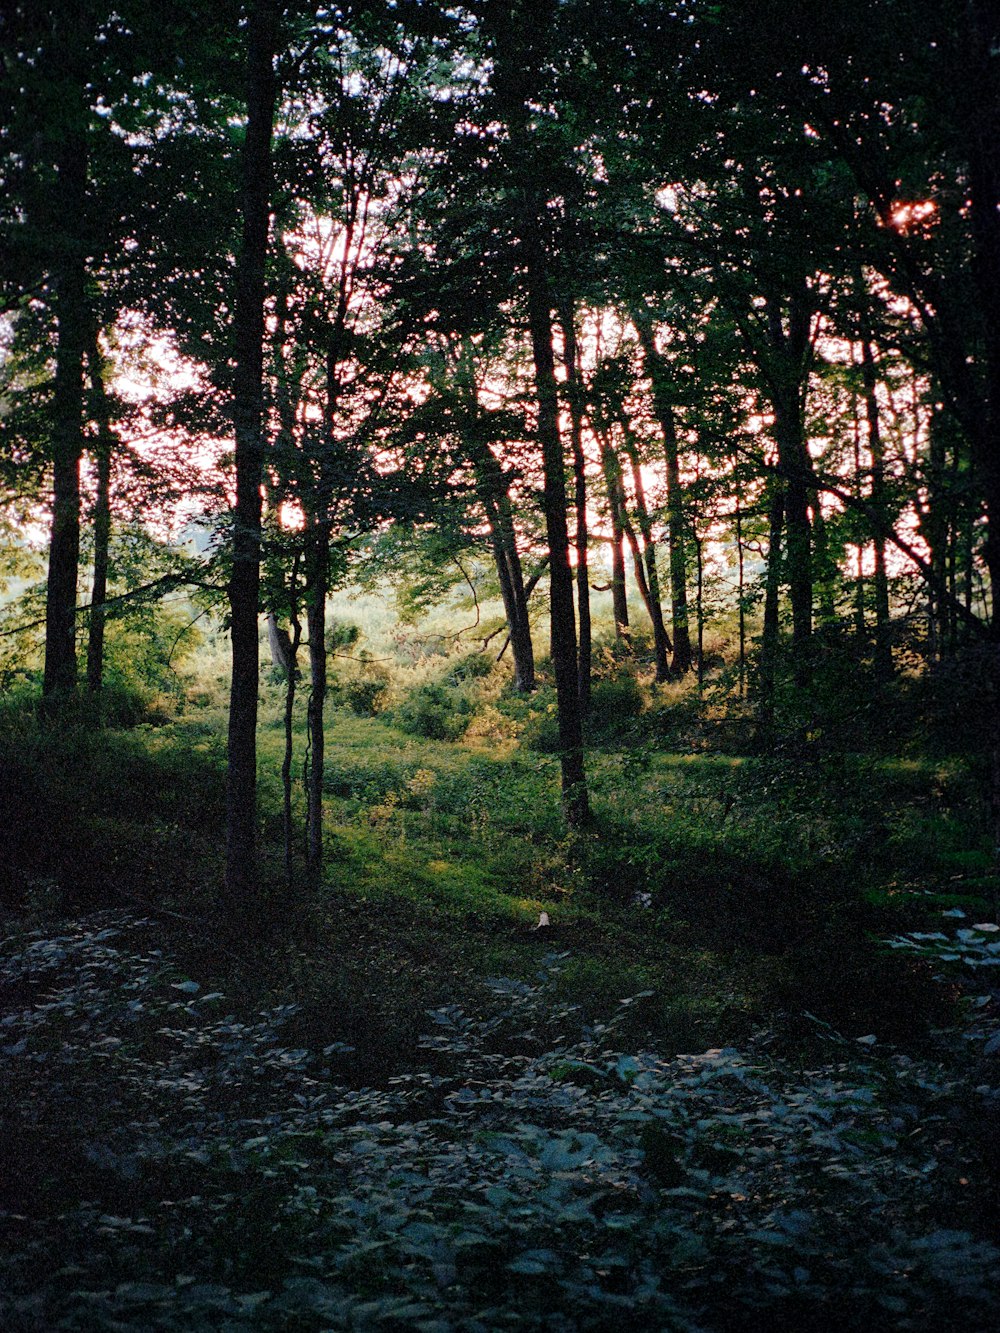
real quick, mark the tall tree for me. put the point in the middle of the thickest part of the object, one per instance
(241, 883)
(575, 403)
(520, 68)
(659, 376)
(103, 451)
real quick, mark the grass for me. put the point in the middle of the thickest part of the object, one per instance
(737, 902)
(721, 883)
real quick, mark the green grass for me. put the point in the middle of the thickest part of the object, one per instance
(723, 883)
(738, 899)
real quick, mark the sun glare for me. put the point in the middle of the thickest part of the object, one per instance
(908, 215)
(291, 517)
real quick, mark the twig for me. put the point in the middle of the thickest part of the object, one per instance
(165, 581)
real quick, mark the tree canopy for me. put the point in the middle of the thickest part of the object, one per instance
(579, 284)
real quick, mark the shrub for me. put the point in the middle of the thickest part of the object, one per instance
(616, 702)
(472, 666)
(341, 635)
(366, 695)
(434, 711)
(366, 689)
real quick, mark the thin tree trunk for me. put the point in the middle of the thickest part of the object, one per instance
(563, 620)
(103, 451)
(934, 528)
(72, 322)
(788, 342)
(317, 577)
(741, 603)
(510, 577)
(657, 372)
(284, 655)
(503, 539)
(798, 563)
(769, 637)
(611, 469)
(883, 647)
(575, 397)
(825, 568)
(520, 626)
(291, 682)
(241, 886)
(529, 588)
(661, 643)
(860, 623)
(661, 639)
(700, 605)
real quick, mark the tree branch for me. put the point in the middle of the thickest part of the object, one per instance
(166, 581)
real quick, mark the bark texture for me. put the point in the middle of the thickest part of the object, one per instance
(72, 321)
(103, 452)
(241, 885)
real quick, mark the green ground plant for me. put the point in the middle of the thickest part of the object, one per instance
(380, 1133)
(529, 1174)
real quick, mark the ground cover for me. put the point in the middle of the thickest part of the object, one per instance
(410, 1106)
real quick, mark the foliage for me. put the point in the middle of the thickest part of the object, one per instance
(99, 812)
(193, 1171)
(366, 690)
(442, 707)
(434, 711)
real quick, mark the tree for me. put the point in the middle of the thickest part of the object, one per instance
(657, 372)
(519, 67)
(343, 335)
(263, 36)
(70, 227)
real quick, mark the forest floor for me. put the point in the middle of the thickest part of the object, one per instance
(745, 1078)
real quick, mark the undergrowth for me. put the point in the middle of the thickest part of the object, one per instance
(317, 1152)
(192, 1170)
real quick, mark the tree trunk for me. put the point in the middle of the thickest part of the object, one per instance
(883, 647)
(288, 650)
(661, 644)
(611, 468)
(72, 321)
(494, 498)
(934, 530)
(699, 564)
(798, 564)
(280, 643)
(784, 364)
(317, 578)
(103, 451)
(657, 372)
(661, 639)
(982, 99)
(575, 399)
(241, 886)
(519, 624)
(741, 597)
(563, 620)
(512, 593)
(769, 637)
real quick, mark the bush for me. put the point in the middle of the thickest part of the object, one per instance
(473, 666)
(434, 711)
(366, 695)
(616, 702)
(366, 691)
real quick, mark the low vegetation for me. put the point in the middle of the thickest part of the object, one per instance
(745, 1075)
